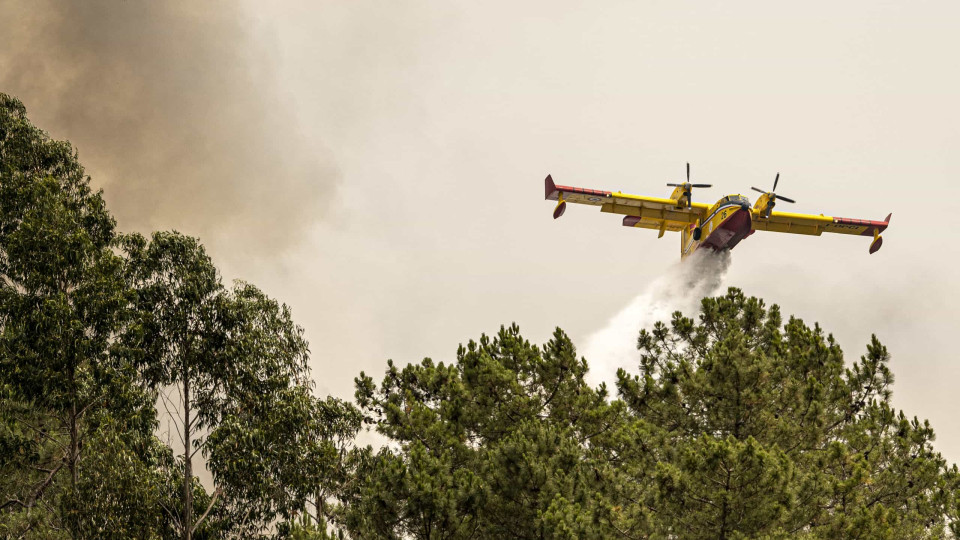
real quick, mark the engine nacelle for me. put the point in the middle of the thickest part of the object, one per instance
(764, 205)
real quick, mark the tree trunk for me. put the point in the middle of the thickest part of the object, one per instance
(74, 432)
(187, 465)
(74, 444)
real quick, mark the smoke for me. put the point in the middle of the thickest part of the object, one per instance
(174, 108)
(683, 286)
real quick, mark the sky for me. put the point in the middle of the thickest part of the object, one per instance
(379, 166)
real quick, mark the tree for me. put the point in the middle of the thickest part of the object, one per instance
(127, 476)
(63, 302)
(236, 366)
(499, 444)
(764, 431)
(96, 327)
(323, 469)
(736, 426)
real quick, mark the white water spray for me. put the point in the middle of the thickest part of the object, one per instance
(683, 286)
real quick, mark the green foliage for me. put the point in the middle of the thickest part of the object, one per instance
(63, 301)
(736, 426)
(765, 431)
(123, 488)
(306, 529)
(94, 327)
(497, 445)
(238, 365)
(61, 292)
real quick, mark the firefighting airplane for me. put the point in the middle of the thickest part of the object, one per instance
(719, 227)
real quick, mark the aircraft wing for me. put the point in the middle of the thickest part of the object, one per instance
(816, 225)
(638, 210)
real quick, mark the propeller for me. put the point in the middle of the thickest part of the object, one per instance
(772, 191)
(688, 186)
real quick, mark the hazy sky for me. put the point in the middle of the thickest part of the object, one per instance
(379, 165)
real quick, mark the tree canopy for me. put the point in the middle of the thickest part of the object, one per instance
(733, 424)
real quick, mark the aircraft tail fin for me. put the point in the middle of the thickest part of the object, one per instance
(549, 188)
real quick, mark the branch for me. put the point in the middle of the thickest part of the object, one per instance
(164, 400)
(88, 405)
(200, 445)
(12, 502)
(167, 403)
(47, 435)
(216, 493)
(175, 518)
(36, 494)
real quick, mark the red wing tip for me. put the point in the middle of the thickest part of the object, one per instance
(549, 188)
(887, 220)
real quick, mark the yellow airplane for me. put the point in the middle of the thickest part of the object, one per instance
(719, 227)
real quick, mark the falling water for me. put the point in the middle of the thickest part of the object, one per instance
(680, 289)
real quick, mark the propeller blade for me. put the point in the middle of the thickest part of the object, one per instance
(701, 185)
(758, 189)
(782, 198)
(775, 180)
(674, 185)
(688, 171)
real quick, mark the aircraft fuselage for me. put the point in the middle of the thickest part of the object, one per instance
(726, 224)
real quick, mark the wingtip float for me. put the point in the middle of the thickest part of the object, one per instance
(720, 226)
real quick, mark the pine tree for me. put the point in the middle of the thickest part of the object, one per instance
(765, 432)
(736, 425)
(495, 445)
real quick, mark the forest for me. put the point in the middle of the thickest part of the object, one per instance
(737, 421)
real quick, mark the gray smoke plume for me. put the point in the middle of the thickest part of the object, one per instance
(174, 109)
(683, 286)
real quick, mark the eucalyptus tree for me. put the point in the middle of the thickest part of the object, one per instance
(231, 367)
(95, 326)
(64, 301)
(323, 470)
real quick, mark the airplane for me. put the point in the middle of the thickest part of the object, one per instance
(720, 226)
